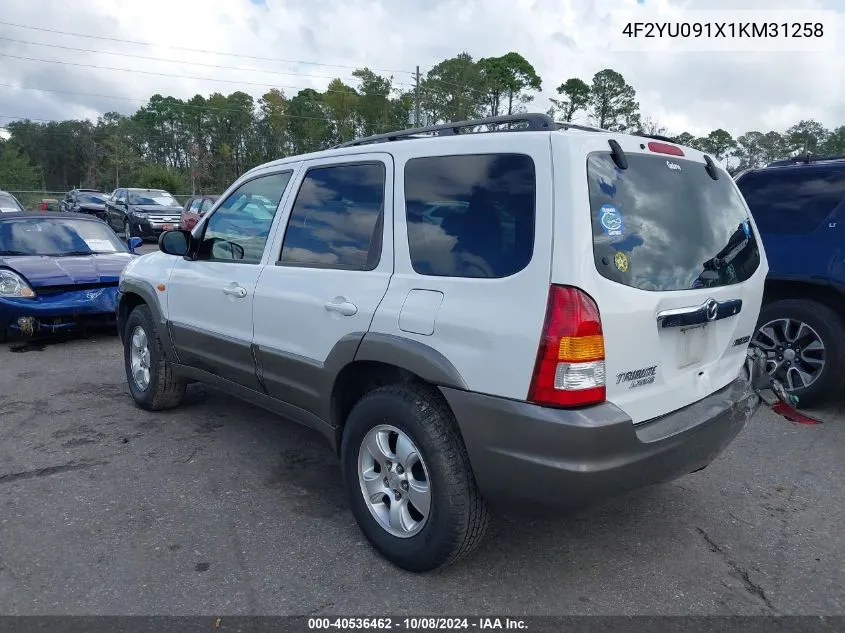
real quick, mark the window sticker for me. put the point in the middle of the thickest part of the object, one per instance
(103, 246)
(611, 220)
(621, 261)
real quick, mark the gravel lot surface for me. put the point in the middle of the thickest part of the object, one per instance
(220, 507)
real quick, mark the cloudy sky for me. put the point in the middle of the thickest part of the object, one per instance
(305, 43)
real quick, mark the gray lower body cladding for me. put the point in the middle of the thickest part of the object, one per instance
(543, 458)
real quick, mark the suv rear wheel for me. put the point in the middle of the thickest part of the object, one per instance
(804, 342)
(408, 478)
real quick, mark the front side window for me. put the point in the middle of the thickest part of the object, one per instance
(195, 205)
(206, 205)
(337, 218)
(664, 224)
(795, 201)
(470, 216)
(57, 237)
(238, 229)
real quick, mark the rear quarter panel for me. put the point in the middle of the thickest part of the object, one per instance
(489, 329)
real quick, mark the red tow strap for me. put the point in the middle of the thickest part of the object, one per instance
(792, 414)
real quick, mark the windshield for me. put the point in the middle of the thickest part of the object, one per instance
(160, 198)
(666, 225)
(8, 204)
(57, 237)
(92, 198)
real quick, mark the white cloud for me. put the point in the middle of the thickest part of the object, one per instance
(562, 38)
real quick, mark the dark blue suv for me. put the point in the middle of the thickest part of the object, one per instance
(799, 207)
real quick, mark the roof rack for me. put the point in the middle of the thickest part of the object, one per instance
(806, 159)
(536, 123)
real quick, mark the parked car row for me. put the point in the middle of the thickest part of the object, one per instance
(137, 212)
(463, 322)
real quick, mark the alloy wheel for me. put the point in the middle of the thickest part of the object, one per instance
(139, 358)
(394, 481)
(795, 353)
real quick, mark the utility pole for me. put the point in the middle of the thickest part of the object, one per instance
(417, 100)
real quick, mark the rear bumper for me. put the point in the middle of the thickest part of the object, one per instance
(59, 311)
(526, 455)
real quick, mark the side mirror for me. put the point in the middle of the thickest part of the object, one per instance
(134, 243)
(176, 242)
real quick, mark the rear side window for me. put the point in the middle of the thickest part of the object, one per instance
(794, 201)
(470, 216)
(195, 205)
(337, 218)
(666, 225)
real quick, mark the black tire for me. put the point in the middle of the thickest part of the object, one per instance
(458, 517)
(830, 327)
(164, 390)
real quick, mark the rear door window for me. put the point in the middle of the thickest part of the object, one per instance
(664, 225)
(337, 218)
(794, 201)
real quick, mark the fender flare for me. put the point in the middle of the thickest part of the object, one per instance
(145, 290)
(413, 356)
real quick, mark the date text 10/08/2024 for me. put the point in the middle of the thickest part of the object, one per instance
(419, 624)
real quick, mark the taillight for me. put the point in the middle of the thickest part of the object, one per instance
(570, 369)
(665, 148)
(43, 206)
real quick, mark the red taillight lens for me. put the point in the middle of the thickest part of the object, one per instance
(43, 206)
(570, 362)
(665, 148)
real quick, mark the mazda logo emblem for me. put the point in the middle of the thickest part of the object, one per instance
(711, 309)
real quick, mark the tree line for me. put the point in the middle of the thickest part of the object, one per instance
(202, 144)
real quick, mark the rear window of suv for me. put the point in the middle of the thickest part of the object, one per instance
(663, 224)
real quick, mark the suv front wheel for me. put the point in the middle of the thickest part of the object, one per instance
(804, 343)
(150, 378)
(408, 478)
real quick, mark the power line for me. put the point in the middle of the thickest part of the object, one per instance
(150, 72)
(195, 50)
(176, 61)
(147, 101)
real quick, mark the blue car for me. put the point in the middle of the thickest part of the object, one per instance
(58, 271)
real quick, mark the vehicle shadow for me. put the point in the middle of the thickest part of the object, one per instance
(22, 345)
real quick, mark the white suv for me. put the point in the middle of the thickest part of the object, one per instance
(542, 315)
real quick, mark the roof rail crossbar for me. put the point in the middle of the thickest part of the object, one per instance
(806, 159)
(536, 122)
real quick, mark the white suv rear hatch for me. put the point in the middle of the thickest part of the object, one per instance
(672, 260)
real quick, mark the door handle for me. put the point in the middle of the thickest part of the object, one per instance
(343, 307)
(235, 291)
